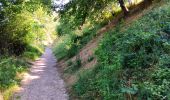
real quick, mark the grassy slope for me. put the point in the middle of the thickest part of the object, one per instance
(70, 42)
(69, 45)
(133, 63)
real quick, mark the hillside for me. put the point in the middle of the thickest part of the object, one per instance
(129, 61)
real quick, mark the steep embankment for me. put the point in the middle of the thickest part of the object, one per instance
(130, 59)
(133, 61)
(86, 54)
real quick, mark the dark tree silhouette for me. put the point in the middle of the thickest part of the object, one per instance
(123, 7)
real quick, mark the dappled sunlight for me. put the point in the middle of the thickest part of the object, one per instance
(28, 78)
(42, 82)
(35, 72)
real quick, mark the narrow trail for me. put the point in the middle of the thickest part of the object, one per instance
(43, 82)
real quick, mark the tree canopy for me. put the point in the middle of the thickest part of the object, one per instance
(22, 23)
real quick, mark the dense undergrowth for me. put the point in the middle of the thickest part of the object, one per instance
(78, 26)
(24, 29)
(9, 67)
(69, 45)
(12, 67)
(133, 61)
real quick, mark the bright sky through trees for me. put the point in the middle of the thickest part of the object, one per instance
(58, 4)
(61, 1)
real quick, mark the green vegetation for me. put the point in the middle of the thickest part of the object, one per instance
(24, 25)
(90, 58)
(134, 62)
(9, 68)
(32, 52)
(77, 26)
(73, 66)
(69, 45)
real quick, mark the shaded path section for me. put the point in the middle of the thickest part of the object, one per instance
(43, 82)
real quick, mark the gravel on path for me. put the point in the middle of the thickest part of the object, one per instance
(43, 82)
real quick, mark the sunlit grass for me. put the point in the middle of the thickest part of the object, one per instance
(7, 94)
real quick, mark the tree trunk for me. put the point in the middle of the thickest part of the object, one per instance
(123, 7)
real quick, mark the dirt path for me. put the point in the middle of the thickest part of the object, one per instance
(43, 82)
(1, 98)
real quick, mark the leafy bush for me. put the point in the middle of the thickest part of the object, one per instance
(9, 67)
(23, 27)
(99, 83)
(69, 44)
(21, 23)
(32, 52)
(160, 86)
(63, 46)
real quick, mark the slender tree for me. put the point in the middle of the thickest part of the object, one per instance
(123, 7)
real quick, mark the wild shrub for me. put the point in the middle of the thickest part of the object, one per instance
(64, 47)
(69, 44)
(9, 67)
(159, 87)
(21, 25)
(22, 34)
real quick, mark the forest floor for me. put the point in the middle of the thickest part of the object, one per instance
(43, 82)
